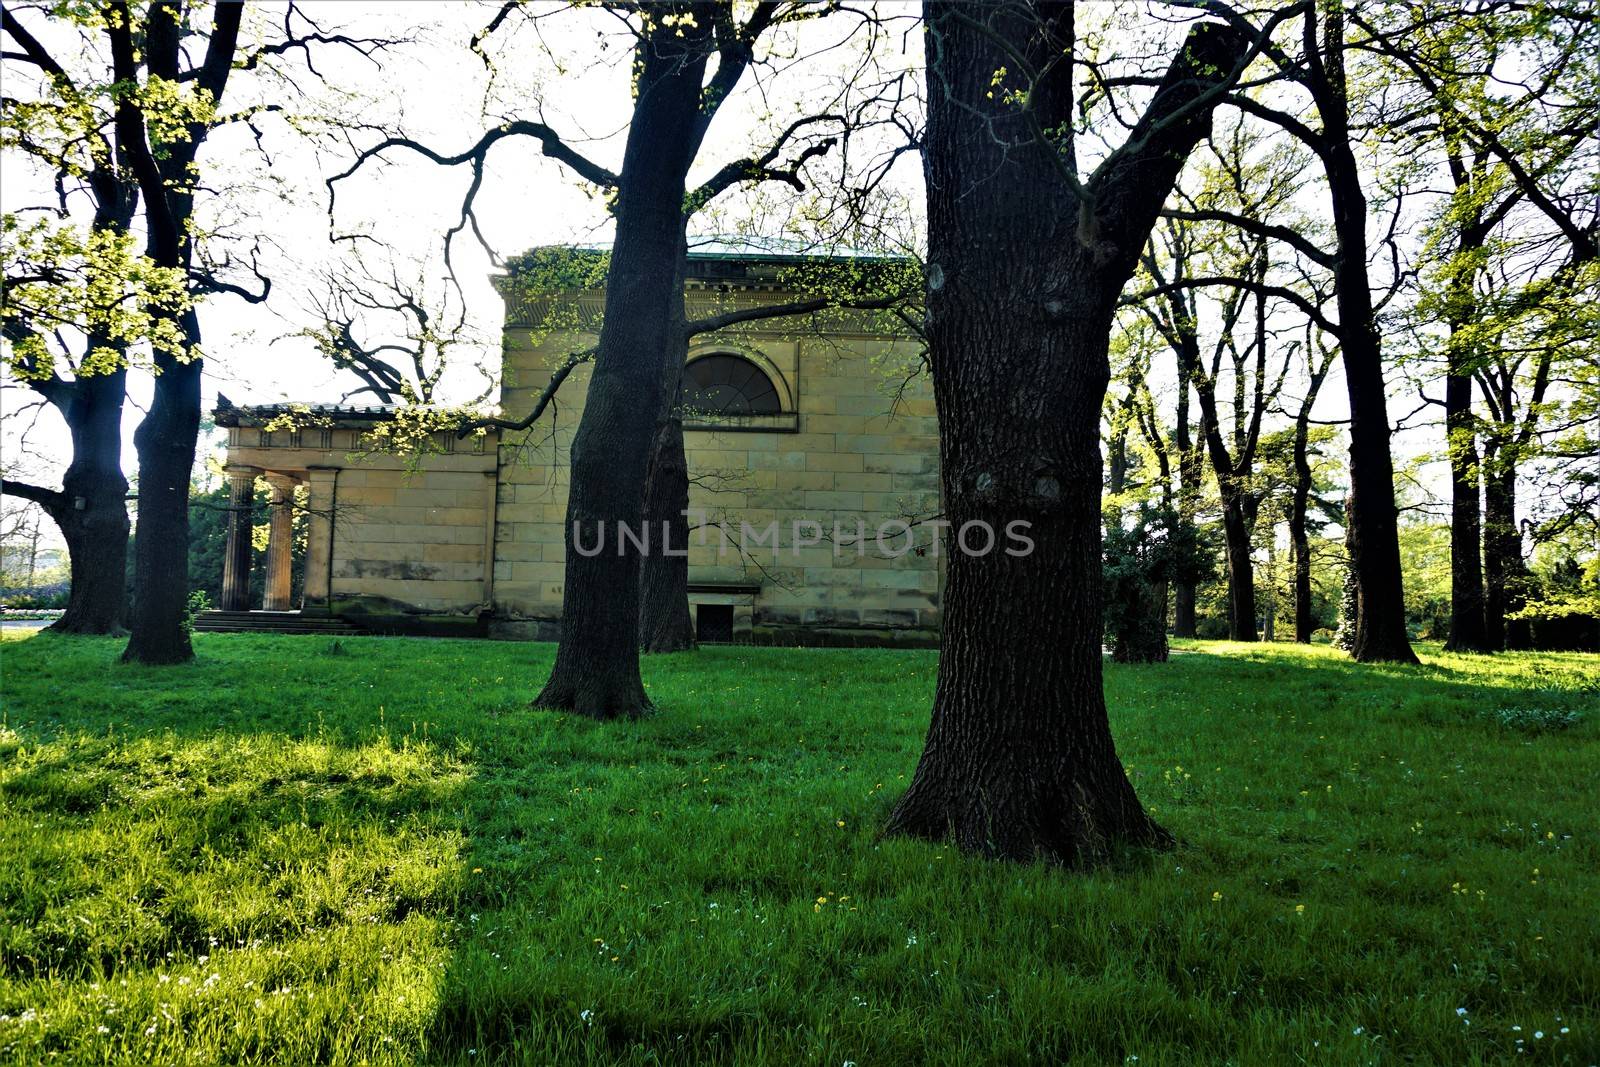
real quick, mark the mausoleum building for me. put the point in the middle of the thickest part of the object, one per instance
(812, 448)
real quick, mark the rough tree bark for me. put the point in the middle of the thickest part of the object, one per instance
(596, 671)
(94, 514)
(165, 443)
(1019, 761)
(91, 507)
(664, 621)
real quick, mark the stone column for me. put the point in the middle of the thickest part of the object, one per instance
(280, 545)
(319, 537)
(236, 564)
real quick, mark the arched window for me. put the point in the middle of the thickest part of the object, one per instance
(725, 384)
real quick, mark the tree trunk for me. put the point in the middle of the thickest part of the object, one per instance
(596, 671)
(1468, 623)
(94, 515)
(1344, 639)
(664, 621)
(1241, 569)
(1304, 620)
(1468, 629)
(1269, 623)
(165, 442)
(1299, 503)
(1019, 761)
(163, 161)
(1374, 532)
(1502, 549)
(1183, 590)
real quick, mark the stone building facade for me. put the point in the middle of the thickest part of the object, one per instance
(813, 455)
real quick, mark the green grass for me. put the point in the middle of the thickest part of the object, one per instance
(296, 851)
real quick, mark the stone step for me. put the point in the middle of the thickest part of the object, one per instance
(276, 622)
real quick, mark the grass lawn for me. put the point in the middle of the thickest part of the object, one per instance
(372, 852)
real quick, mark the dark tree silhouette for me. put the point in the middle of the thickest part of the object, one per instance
(1025, 268)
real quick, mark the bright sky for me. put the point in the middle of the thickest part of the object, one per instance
(571, 72)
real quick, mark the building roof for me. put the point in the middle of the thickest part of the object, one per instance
(227, 413)
(768, 249)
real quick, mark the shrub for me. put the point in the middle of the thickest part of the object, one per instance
(1564, 623)
(35, 597)
(198, 603)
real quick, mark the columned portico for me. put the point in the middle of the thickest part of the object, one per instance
(280, 544)
(236, 564)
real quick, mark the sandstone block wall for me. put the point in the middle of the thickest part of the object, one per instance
(857, 444)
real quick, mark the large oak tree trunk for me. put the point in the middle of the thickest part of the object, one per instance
(664, 621)
(1019, 761)
(165, 442)
(596, 671)
(94, 515)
